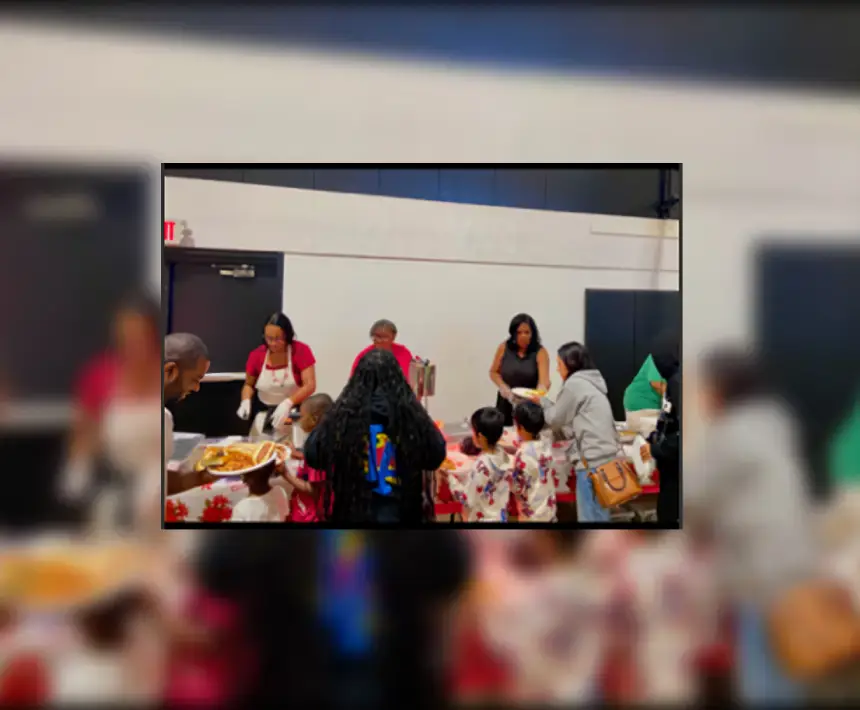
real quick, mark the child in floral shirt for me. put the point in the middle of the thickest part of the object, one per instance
(485, 490)
(547, 617)
(533, 486)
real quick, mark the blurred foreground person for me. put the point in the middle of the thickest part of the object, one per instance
(577, 617)
(337, 619)
(557, 612)
(100, 642)
(116, 435)
(664, 444)
(675, 614)
(748, 486)
(543, 611)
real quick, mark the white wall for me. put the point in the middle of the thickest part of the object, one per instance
(451, 276)
(756, 162)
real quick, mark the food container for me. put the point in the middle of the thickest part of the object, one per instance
(422, 379)
(184, 443)
(644, 469)
(647, 425)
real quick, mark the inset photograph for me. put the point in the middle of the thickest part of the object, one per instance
(442, 345)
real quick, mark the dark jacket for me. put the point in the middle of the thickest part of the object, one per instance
(666, 448)
(273, 575)
(666, 439)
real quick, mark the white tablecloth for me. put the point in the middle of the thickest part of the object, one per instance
(212, 503)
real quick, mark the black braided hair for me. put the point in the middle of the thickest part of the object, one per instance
(343, 438)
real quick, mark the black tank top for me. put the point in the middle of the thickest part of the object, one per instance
(519, 372)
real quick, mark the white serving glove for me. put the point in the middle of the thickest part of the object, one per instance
(281, 413)
(75, 478)
(244, 411)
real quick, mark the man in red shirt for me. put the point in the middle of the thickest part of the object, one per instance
(383, 334)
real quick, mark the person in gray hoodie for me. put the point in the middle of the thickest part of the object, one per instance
(747, 487)
(582, 413)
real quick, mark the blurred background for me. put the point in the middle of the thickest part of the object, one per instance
(762, 107)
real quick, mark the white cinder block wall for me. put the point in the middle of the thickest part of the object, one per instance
(451, 276)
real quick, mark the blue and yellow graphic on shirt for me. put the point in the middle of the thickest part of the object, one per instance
(381, 464)
(347, 593)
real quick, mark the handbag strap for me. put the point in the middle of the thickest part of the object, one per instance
(619, 451)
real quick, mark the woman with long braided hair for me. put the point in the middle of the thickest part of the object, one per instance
(374, 445)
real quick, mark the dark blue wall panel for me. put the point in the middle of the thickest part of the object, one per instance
(470, 186)
(815, 366)
(419, 184)
(521, 188)
(364, 182)
(224, 174)
(303, 179)
(625, 192)
(633, 192)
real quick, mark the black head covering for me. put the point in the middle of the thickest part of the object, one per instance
(666, 354)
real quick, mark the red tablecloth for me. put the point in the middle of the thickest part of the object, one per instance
(24, 681)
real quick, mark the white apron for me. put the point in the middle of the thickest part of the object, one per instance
(273, 387)
(131, 436)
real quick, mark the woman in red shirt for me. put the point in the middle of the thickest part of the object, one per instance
(118, 419)
(383, 333)
(283, 373)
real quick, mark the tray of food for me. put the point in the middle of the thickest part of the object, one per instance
(237, 459)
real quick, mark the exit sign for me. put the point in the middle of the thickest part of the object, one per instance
(169, 231)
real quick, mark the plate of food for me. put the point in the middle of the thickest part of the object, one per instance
(526, 393)
(455, 461)
(239, 458)
(283, 452)
(61, 578)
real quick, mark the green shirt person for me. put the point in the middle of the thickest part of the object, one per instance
(645, 392)
(843, 451)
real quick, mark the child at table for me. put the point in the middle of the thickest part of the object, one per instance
(265, 503)
(533, 487)
(485, 490)
(548, 615)
(307, 500)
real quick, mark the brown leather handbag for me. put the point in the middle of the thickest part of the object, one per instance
(615, 483)
(815, 630)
